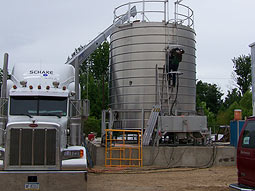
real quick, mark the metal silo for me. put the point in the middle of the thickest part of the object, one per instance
(138, 59)
(138, 55)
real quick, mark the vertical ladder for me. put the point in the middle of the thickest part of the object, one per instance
(151, 124)
(165, 95)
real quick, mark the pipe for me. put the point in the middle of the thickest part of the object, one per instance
(143, 19)
(165, 4)
(5, 74)
(253, 76)
(76, 67)
(129, 12)
(3, 95)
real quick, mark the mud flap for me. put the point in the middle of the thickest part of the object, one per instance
(43, 180)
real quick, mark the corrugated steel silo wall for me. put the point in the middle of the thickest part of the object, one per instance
(136, 49)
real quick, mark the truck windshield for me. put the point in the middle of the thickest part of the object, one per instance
(38, 105)
(248, 140)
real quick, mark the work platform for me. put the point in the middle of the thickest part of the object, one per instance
(175, 156)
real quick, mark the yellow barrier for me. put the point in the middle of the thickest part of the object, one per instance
(123, 148)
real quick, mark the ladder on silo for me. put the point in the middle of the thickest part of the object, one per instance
(151, 124)
(165, 94)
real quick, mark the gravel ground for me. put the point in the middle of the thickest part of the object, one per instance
(181, 179)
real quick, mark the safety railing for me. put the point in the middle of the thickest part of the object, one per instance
(123, 148)
(145, 10)
(183, 14)
(116, 118)
(155, 11)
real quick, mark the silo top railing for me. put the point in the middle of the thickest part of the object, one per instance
(183, 14)
(144, 9)
(155, 11)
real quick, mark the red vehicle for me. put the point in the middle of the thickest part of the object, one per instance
(246, 158)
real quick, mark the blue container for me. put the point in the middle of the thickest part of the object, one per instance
(235, 130)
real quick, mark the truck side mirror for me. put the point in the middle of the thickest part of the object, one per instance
(85, 108)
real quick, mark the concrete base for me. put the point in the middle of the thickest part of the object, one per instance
(97, 153)
(189, 156)
(181, 156)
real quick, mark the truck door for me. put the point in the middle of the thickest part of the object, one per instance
(246, 154)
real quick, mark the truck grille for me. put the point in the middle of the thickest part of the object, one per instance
(32, 147)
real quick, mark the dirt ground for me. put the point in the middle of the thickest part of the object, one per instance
(181, 179)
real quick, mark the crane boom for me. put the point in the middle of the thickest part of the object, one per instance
(85, 52)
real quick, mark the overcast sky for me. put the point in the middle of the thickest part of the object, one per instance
(47, 31)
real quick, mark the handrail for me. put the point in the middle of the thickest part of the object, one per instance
(143, 12)
(187, 18)
(183, 14)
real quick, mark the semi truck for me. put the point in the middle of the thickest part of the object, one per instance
(41, 129)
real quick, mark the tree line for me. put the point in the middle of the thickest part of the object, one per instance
(220, 111)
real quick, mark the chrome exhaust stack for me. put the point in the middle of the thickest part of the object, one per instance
(5, 74)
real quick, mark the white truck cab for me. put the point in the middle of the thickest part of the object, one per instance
(41, 129)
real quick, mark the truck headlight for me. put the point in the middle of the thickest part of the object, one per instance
(1, 155)
(72, 154)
